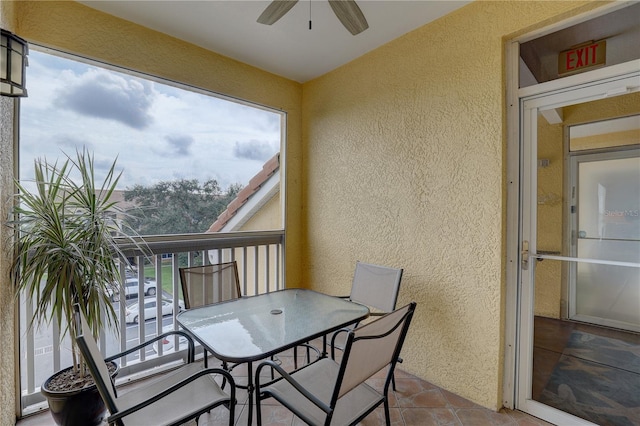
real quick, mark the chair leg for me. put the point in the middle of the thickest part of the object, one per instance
(387, 416)
(232, 411)
(258, 411)
(273, 374)
(393, 377)
(224, 379)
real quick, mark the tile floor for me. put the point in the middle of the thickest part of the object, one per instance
(414, 403)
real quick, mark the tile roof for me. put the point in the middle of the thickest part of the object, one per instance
(268, 169)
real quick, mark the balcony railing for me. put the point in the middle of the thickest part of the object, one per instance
(260, 259)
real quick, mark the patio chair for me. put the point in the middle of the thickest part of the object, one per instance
(327, 392)
(174, 398)
(208, 284)
(376, 287)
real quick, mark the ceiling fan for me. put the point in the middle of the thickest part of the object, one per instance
(347, 12)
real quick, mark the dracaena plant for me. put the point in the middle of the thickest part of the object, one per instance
(66, 249)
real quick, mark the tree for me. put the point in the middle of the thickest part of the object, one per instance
(178, 207)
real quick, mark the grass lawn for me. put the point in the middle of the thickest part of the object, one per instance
(167, 276)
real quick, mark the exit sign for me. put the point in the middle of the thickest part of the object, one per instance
(582, 57)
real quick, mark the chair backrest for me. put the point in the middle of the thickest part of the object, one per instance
(371, 347)
(92, 356)
(376, 286)
(204, 285)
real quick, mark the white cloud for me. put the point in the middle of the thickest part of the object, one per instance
(103, 94)
(158, 132)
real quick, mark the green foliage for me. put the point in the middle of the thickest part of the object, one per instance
(65, 251)
(178, 207)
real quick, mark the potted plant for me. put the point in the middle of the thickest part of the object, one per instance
(66, 252)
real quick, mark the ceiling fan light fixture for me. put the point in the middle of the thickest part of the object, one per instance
(347, 11)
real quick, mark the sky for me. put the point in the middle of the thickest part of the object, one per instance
(157, 132)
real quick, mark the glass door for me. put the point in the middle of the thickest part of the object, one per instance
(605, 217)
(578, 256)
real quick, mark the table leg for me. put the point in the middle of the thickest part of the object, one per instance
(324, 346)
(250, 389)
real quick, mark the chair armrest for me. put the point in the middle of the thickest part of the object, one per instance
(333, 341)
(286, 376)
(175, 387)
(190, 352)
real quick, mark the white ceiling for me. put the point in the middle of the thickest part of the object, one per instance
(287, 48)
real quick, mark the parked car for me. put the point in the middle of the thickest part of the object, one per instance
(131, 289)
(132, 313)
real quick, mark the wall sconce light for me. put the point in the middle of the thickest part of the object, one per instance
(13, 58)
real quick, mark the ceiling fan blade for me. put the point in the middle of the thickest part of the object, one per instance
(350, 15)
(276, 10)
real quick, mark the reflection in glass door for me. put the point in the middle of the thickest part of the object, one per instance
(580, 258)
(605, 216)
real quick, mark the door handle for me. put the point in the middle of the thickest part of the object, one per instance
(524, 255)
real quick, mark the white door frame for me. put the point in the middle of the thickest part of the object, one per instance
(516, 332)
(530, 107)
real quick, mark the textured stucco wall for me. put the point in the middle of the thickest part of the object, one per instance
(9, 364)
(405, 151)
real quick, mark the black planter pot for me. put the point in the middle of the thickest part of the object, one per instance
(83, 407)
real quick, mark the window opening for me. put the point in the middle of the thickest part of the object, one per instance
(192, 162)
(185, 154)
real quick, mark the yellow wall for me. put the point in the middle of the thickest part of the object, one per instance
(268, 217)
(396, 158)
(627, 137)
(550, 220)
(620, 106)
(404, 160)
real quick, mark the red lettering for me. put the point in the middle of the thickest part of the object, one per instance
(580, 62)
(570, 60)
(581, 57)
(593, 53)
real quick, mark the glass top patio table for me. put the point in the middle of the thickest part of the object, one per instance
(254, 328)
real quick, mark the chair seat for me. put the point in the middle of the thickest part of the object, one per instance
(319, 379)
(194, 398)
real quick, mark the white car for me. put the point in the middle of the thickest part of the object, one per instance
(131, 289)
(132, 314)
